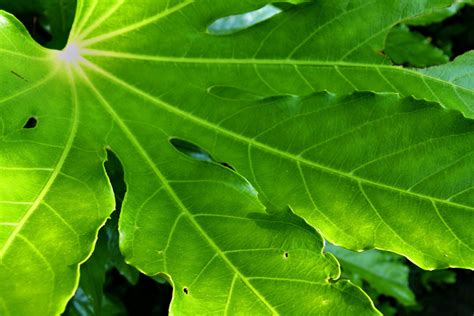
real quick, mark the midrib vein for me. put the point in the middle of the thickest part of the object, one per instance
(264, 61)
(246, 140)
(169, 189)
(56, 171)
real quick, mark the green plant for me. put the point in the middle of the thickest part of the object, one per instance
(317, 128)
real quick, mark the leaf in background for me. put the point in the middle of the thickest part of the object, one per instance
(383, 271)
(82, 306)
(133, 86)
(413, 49)
(115, 258)
(452, 35)
(439, 14)
(90, 295)
(437, 277)
(49, 21)
(89, 298)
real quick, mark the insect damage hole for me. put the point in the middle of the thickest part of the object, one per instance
(330, 280)
(186, 290)
(235, 23)
(32, 122)
(195, 152)
(286, 254)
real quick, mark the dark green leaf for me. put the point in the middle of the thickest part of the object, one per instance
(49, 21)
(406, 47)
(383, 271)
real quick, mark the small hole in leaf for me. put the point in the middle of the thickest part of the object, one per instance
(234, 23)
(31, 123)
(186, 291)
(285, 254)
(225, 164)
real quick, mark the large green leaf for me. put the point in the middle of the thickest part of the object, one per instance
(60, 198)
(196, 222)
(325, 153)
(172, 207)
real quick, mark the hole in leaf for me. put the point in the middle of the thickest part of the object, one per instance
(190, 149)
(186, 291)
(232, 93)
(234, 23)
(195, 152)
(32, 122)
(285, 254)
(115, 172)
(225, 164)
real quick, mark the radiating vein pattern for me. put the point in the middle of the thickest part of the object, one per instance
(44, 233)
(195, 237)
(335, 145)
(367, 170)
(318, 53)
(378, 161)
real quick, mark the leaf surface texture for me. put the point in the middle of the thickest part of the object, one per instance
(251, 99)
